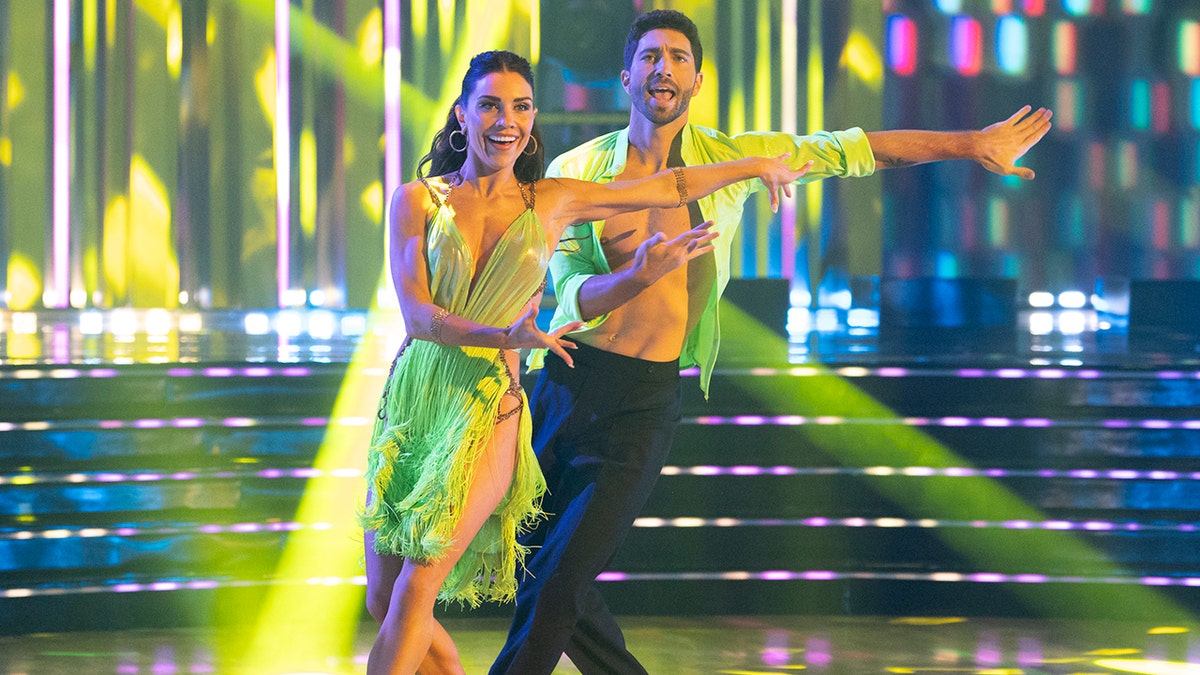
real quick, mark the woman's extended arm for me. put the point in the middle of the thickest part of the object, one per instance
(425, 320)
(583, 201)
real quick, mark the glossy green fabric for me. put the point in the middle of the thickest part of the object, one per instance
(440, 405)
(580, 256)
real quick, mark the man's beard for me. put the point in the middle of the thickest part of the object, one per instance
(660, 116)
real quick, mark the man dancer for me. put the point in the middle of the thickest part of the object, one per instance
(647, 285)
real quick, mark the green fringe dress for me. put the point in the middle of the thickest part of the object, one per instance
(440, 407)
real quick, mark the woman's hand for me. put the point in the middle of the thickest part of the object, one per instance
(524, 333)
(778, 175)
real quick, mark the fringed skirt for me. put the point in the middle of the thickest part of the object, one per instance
(437, 414)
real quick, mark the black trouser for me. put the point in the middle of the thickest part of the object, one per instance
(601, 432)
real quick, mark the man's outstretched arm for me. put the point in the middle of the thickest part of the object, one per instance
(996, 147)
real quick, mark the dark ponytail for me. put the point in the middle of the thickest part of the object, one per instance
(443, 159)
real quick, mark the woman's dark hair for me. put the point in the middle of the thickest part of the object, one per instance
(443, 159)
(670, 20)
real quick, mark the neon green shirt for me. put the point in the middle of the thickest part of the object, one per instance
(579, 255)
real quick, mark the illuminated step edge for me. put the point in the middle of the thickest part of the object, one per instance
(950, 421)
(124, 586)
(1038, 373)
(157, 531)
(185, 423)
(950, 577)
(105, 477)
(60, 532)
(177, 371)
(926, 471)
(971, 373)
(922, 523)
(703, 420)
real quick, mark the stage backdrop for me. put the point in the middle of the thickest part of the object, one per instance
(221, 154)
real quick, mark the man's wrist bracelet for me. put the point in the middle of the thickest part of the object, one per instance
(680, 185)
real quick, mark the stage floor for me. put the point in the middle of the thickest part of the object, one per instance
(710, 644)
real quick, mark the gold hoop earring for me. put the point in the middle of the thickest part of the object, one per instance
(535, 147)
(450, 140)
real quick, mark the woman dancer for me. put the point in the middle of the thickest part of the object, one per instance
(451, 473)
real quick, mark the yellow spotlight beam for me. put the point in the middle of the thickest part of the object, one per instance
(307, 621)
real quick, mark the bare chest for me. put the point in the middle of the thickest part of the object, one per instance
(623, 234)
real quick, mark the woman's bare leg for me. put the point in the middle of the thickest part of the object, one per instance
(382, 571)
(409, 637)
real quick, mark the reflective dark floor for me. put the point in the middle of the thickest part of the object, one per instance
(682, 646)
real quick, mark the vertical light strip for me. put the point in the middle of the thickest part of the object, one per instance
(1189, 47)
(1139, 104)
(1012, 44)
(535, 32)
(1066, 109)
(1064, 48)
(1160, 107)
(901, 44)
(60, 253)
(788, 113)
(283, 151)
(966, 45)
(1195, 107)
(762, 120)
(391, 100)
(445, 11)
(816, 107)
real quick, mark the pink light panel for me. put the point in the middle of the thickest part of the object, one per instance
(1160, 107)
(902, 44)
(1064, 48)
(966, 45)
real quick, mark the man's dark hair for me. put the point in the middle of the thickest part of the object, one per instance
(670, 20)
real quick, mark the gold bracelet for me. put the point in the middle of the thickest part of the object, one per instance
(435, 325)
(680, 185)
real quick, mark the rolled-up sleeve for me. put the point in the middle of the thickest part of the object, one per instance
(840, 154)
(573, 263)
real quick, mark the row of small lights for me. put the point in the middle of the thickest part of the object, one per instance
(1073, 321)
(157, 323)
(705, 420)
(319, 323)
(104, 477)
(116, 586)
(210, 371)
(1057, 525)
(616, 576)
